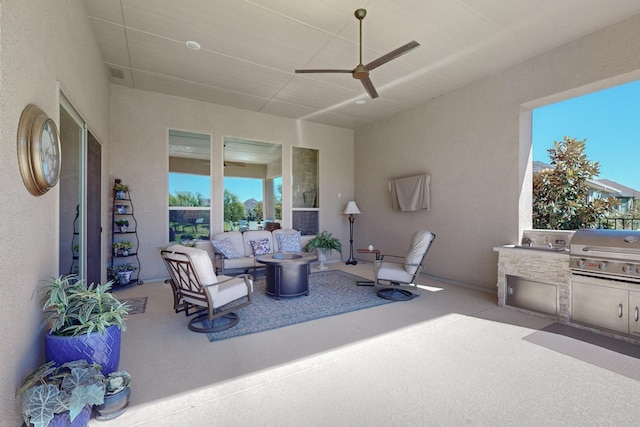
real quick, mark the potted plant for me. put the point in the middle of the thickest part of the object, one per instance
(120, 189)
(62, 396)
(116, 396)
(323, 243)
(122, 224)
(122, 273)
(85, 322)
(122, 247)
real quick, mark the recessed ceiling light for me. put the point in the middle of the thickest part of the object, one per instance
(193, 45)
(361, 101)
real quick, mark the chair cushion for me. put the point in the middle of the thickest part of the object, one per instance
(228, 291)
(260, 247)
(392, 272)
(289, 242)
(226, 248)
(200, 261)
(419, 245)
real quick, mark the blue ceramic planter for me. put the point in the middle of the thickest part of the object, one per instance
(94, 348)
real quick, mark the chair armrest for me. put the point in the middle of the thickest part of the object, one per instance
(247, 281)
(392, 256)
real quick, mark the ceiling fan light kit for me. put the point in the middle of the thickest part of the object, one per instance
(361, 72)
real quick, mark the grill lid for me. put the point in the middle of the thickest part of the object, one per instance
(607, 243)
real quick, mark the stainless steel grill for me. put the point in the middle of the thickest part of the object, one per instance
(612, 254)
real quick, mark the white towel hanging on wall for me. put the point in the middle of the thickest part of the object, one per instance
(410, 193)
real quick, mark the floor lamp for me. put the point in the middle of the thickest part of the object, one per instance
(351, 210)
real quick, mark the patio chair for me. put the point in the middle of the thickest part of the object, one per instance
(403, 270)
(198, 291)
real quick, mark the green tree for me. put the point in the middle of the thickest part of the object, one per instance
(560, 194)
(278, 204)
(258, 213)
(233, 207)
(187, 198)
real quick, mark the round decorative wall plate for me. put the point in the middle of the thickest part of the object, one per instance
(38, 150)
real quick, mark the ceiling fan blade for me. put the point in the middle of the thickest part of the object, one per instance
(323, 71)
(392, 55)
(369, 87)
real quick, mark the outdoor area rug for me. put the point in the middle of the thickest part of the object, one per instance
(136, 305)
(330, 293)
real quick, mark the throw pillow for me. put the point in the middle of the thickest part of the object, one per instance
(260, 247)
(225, 247)
(289, 242)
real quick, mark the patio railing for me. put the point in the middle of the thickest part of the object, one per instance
(614, 223)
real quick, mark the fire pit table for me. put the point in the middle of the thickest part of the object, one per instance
(287, 273)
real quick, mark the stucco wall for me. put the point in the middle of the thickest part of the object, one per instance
(475, 143)
(45, 47)
(139, 156)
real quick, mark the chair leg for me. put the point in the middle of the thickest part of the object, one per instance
(395, 293)
(218, 324)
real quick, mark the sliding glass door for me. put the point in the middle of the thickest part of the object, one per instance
(80, 198)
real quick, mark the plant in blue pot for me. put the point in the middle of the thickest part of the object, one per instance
(62, 396)
(85, 322)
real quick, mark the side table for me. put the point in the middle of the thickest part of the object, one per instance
(367, 251)
(372, 251)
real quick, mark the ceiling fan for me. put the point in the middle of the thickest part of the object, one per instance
(361, 72)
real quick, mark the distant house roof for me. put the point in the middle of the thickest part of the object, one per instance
(624, 190)
(538, 166)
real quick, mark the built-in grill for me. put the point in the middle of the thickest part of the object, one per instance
(610, 254)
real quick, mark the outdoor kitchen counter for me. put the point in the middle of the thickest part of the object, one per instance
(548, 267)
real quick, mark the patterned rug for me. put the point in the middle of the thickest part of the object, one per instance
(330, 293)
(136, 305)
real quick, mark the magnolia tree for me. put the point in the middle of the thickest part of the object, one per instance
(560, 193)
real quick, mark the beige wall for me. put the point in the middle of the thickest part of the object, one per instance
(44, 46)
(139, 149)
(475, 143)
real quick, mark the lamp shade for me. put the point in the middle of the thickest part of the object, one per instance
(351, 209)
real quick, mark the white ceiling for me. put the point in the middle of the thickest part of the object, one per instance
(250, 49)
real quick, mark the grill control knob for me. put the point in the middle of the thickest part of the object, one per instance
(581, 263)
(603, 265)
(627, 268)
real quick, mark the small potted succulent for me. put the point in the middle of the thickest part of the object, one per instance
(116, 396)
(323, 243)
(85, 322)
(122, 225)
(62, 396)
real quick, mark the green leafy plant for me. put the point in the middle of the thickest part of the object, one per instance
(122, 267)
(324, 240)
(123, 244)
(73, 308)
(51, 390)
(119, 186)
(122, 222)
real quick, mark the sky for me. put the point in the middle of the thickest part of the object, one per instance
(244, 188)
(610, 122)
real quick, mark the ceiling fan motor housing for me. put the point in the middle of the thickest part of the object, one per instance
(360, 72)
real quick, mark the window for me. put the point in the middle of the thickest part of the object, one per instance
(252, 184)
(189, 186)
(607, 120)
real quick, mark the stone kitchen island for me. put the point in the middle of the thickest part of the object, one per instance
(541, 276)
